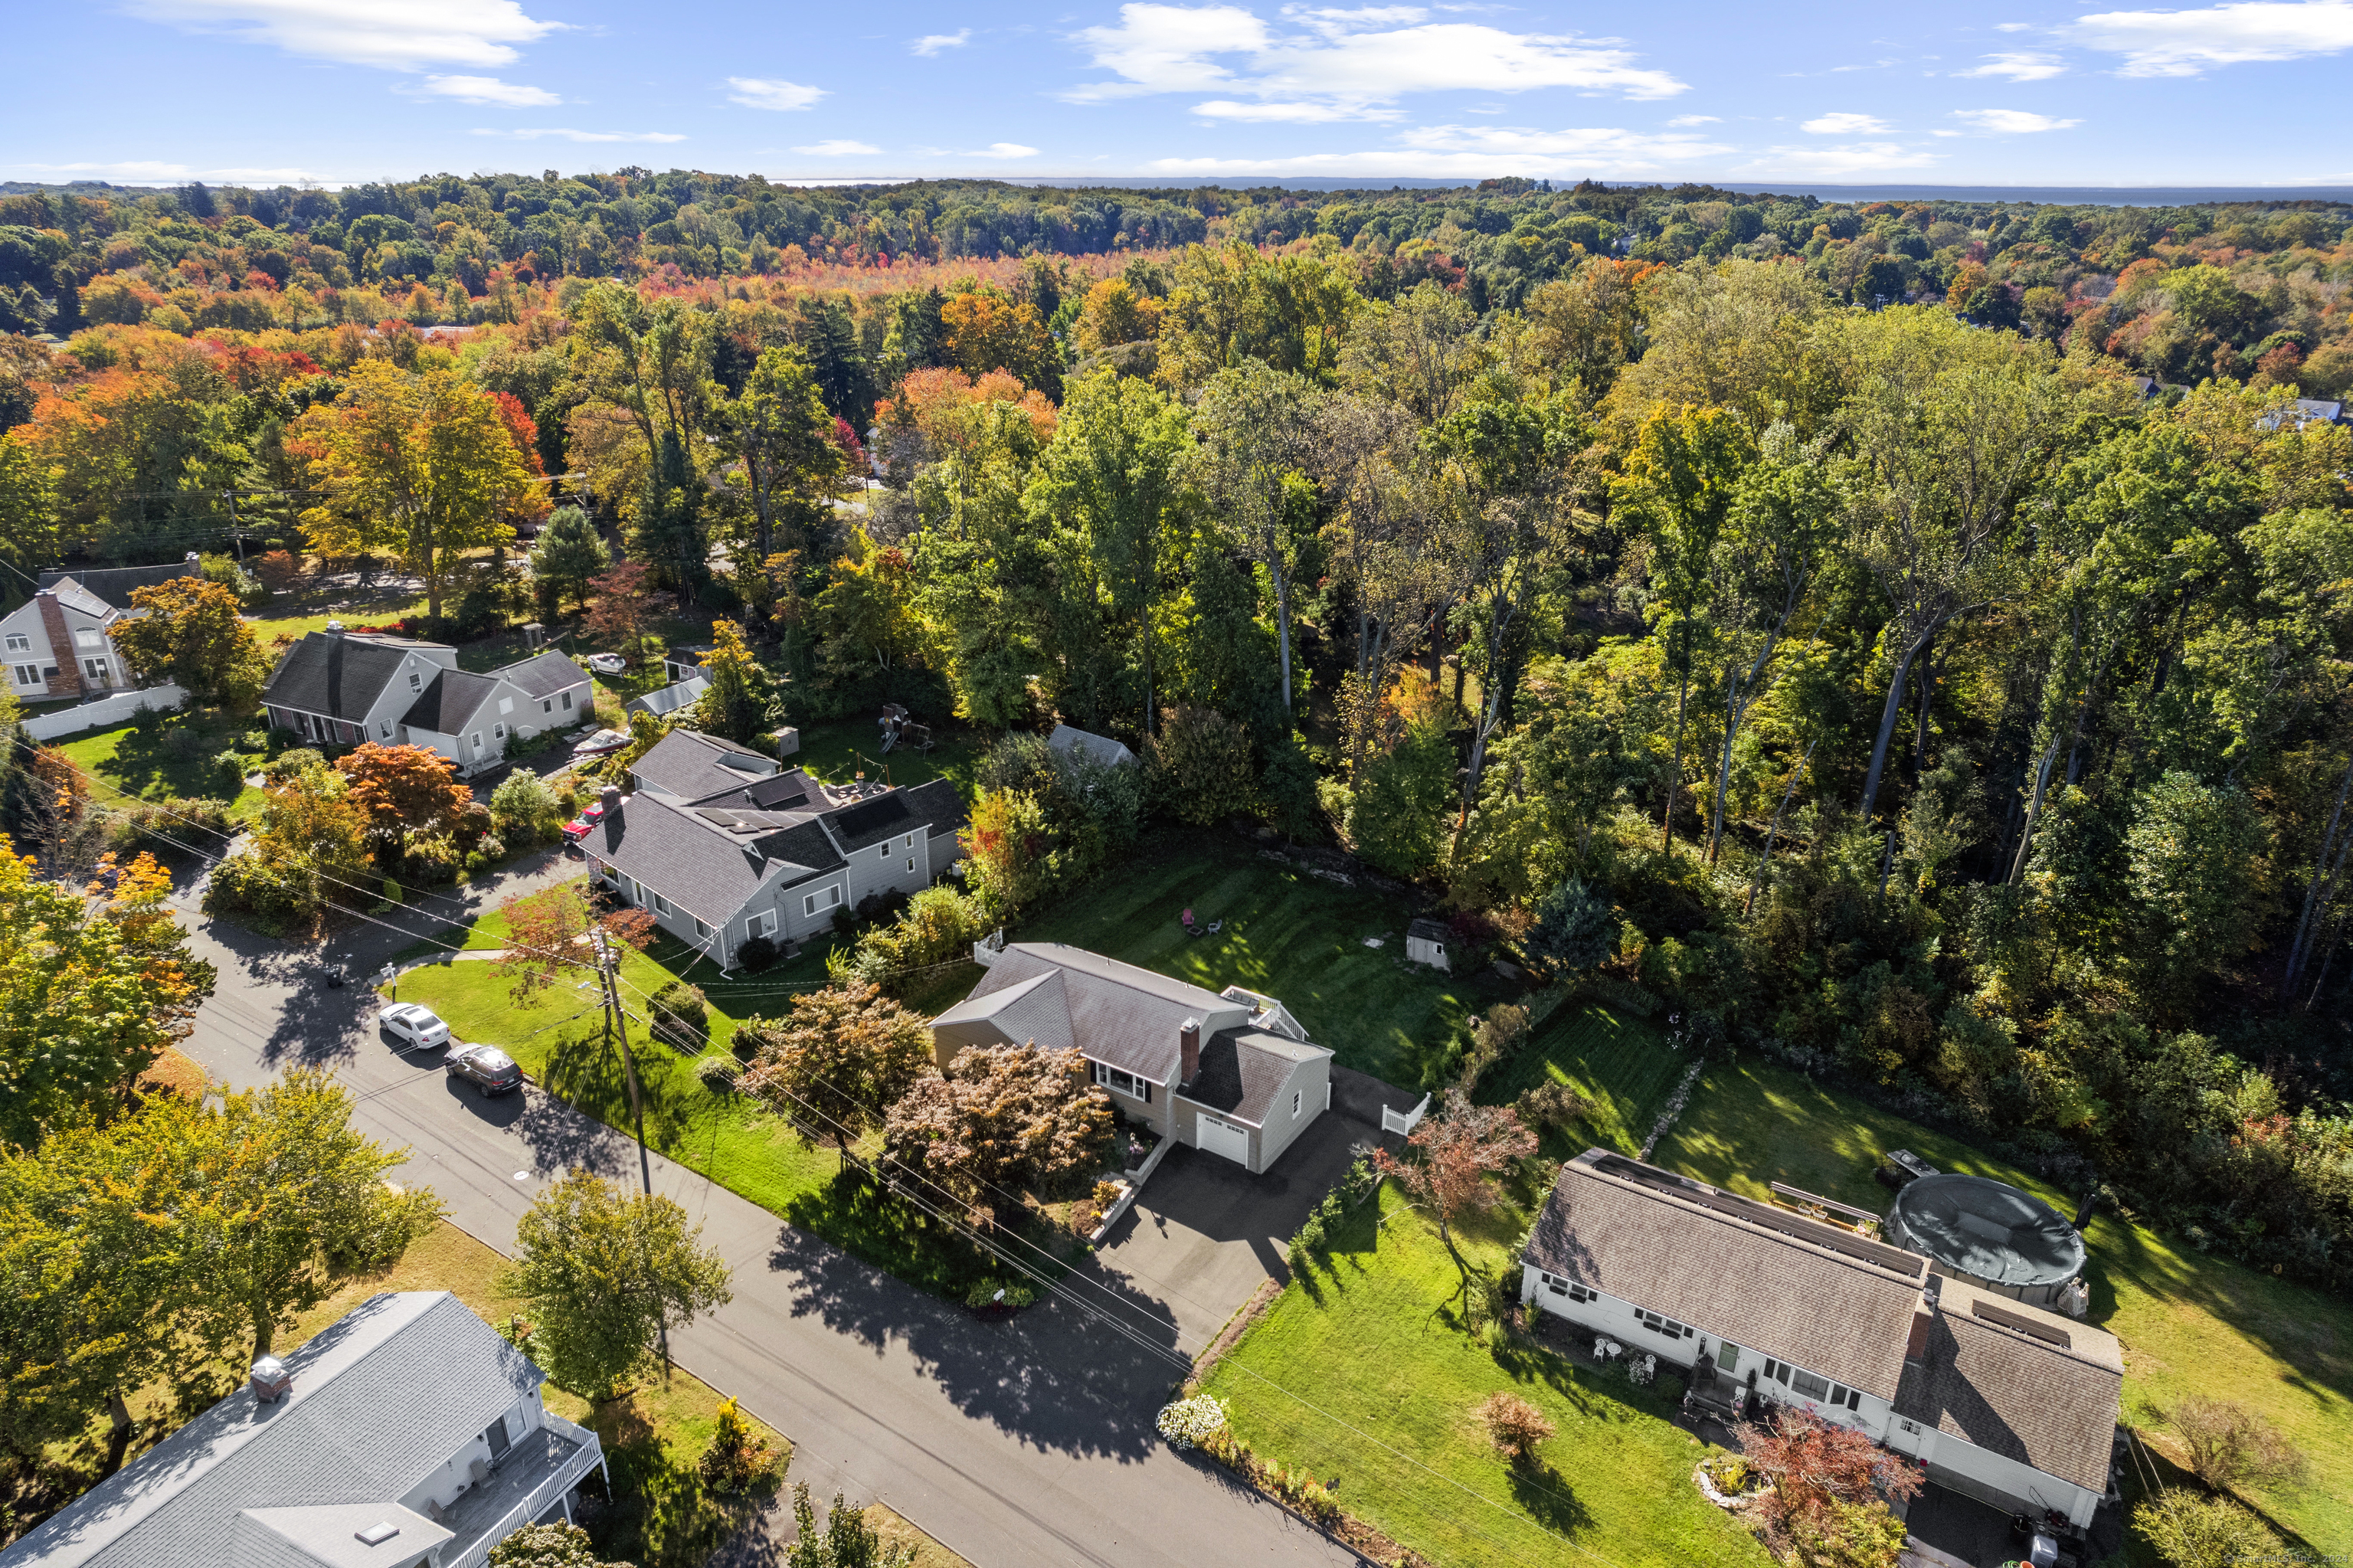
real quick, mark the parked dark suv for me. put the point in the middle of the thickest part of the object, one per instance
(486, 1067)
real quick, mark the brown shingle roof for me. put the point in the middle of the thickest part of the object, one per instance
(1758, 1276)
(1118, 1014)
(2014, 1394)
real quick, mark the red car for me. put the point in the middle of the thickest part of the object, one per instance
(579, 827)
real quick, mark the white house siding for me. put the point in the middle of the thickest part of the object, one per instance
(452, 1480)
(1961, 1466)
(1310, 1083)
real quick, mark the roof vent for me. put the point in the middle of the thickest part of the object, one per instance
(334, 629)
(271, 1380)
(376, 1534)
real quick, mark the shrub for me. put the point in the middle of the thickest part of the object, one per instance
(739, 1460)
(291, 765)
(940, 926)
(2191, 1531)
(1201, 764)
(549, 1546)
(1551, 1104)
(718, 1073)
(255, 739)
(681, 1015)
(1513, 1425)
(1188, 1423)
(757, 954)
(989, 1293)
(264, 890)
(229, 771)
(163, 825)
(426, 859)
(2228, 1443)
(524, 809)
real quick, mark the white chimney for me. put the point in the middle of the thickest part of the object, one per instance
(271, 1380)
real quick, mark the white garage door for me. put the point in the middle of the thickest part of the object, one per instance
(1220, 1136)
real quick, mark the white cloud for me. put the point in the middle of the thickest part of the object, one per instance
(1005, 150)
(1300, 113)
(485, 89)
(1474, 152)
(759, 93)
(838, 147)
(2025, 65)
(398, 34)
(1844, 124)
(1837, 163)
(2185, 43)
(2011, 122)
(1682, 120)
(1342, 65)
(2014, 26)
(932, 43)
(533, 132)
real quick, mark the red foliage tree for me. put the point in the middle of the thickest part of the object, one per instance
(1815, 1464)
(625, 605)
(404, 787)
(1461, 1149)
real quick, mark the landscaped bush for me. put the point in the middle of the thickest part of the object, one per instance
(1551, 1104)
(1188, 1423)
(292, 764)
(757, 954)
(681, 1015)
(262, 890)
(739, 1460)
(524, 809)
(718, 1073)
(427, 860)
(939, 927)
(163, 826)
(991, 1293)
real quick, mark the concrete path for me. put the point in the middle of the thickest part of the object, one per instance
(1028, 1442)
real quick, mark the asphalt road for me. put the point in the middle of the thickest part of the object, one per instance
(1017, 1443)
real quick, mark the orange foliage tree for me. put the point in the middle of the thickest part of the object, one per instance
(986, 331)
(404, 787)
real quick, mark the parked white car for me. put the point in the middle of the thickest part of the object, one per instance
(411, 1027)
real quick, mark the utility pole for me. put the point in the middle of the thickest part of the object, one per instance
(616, 1025)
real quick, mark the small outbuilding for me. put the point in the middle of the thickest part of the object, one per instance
(1066, 742)
(1425, 943)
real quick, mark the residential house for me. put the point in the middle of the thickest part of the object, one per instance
(684, 662)
(723, 844)
(1066, 742)
(1231, 1072)
(59, 643)
(341, 688)
(408, 1435)
(2002, 1402)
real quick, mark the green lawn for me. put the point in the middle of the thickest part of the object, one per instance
(837, 749)
(1618, 1061)
(173, 757)
(1287, 934)
(2188, 1323)
(1373, 1339)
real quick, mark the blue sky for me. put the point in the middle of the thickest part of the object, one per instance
(2027, 94)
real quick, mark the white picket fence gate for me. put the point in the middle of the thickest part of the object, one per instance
(1403, 1122)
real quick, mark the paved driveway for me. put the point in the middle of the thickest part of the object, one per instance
(1205, 1233)
(1027, 1442)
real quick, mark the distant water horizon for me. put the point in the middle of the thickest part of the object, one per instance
(2048, 195)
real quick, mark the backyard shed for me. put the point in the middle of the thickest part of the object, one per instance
(1097, 748)
(1425, 943)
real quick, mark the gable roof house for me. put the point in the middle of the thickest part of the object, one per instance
(723, 844)
(341, 688)
(1232, 1072)
(2005, 1402)
(59, 643)
(408, 1435)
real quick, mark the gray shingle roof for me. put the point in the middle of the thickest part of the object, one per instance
(112, 584)
(1243, 1069)
(380, 1400)
(544, 675)
(73, 596)
(693, 765)
(1034, 1011)
(695, 860)
(938, 806)
(1117, 1013)
(1094, 747)
(668, 699)
(449, 702)
(1761, 1276)
(2014, 1394)
(341, 677)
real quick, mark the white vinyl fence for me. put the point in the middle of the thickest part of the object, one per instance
(106, 711)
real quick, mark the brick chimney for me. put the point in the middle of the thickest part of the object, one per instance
(66, 681)
(271, 1382)
(1188, 1047)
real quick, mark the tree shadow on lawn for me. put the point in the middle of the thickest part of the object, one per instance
(586, 1075)
(1546, 1497)
(1054, 1375)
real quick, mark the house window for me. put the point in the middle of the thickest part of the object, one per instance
(1560, 1284)
(823, 898)
(28, 674)
(700, 929)
(1667, 1325)
(386, 725)
(546, 704)
(910, 841)
(1295, 1103)
(415, 682)
(94, 667)
(763, 924)
(1123, 1083)
(911, 863)
(567, 702)
(88, 636)
(1728, 1357)
(1806, 1385)
(499, 730)
(19, 643)
(662, 905)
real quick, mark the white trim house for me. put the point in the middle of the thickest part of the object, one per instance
(408, 1435)
(1999, 1401)
(1233, 1074)
(341, 688)
(723, 844)
(60, 642)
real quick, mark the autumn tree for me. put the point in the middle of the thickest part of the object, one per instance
(93, 984)
(604, 1276)
(1817, 1465)
(1457, 1151)
(1114, 313)
(420, 464)
(279, 1195)
(988, 331)
(1003, 1120)
(742, 703)
(311, 847)
(404, 789)
(2227, 1443)
(194, 634)
(625, 608)
(780, 433)
(1257, 442)
(837, 1061)
(1513, 1425)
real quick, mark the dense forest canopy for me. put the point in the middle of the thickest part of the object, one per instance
(1910, 640)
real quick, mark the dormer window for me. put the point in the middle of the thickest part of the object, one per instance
(88, 636)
